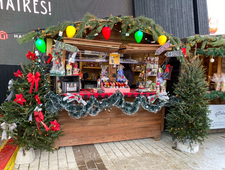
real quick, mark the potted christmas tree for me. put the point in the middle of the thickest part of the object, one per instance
(188, 120)
(34, 126)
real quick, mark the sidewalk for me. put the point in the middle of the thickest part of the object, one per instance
(140, 154)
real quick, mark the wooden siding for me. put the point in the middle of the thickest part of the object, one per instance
(175, 16)
(109, 126)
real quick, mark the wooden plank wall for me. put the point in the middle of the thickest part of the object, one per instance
(109, 126)
(6, 72)
(175, 16)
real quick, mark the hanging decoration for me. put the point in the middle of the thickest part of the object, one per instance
(40, 44)
(55, 125)
(33, 79)
(106, 31)
(93, 107)
(184, 52)
(162, 39)
(10, 84)
(18, 74)
(138, 36)
(40, 117)
(19, 99)
(70, 31)
(212, 60)
(31, 56)
(38, 99)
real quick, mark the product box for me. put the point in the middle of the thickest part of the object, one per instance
(70, 87)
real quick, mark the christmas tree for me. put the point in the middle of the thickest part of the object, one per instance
(24, 115)
(188, 118)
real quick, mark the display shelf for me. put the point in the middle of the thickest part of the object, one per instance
(96, 68)
(131, 62)
(91, 60)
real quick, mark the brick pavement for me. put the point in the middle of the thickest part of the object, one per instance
(140, 154)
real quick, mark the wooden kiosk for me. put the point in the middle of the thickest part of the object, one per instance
(113, 125)
(211, 51)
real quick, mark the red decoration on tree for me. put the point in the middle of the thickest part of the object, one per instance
(33, 79)
(19, 99)
(106, 31)
(38, 99)
(40, 117)
(184, 52)
(31, 55)
(18, 74)
(55, 125)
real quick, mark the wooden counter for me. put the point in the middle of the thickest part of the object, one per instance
(110, 126)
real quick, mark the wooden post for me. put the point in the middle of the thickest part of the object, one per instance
(49, 45)
(219, 65)
(210, 70)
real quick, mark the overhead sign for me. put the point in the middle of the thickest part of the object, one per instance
(63, 46)
(217, 116)
(163, 48)
(173, 53)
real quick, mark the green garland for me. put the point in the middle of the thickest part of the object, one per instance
(216, 45)
(216, 95)
(55, 103)
(94, 25)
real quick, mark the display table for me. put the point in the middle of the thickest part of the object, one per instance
(87, 93)
(110, 126)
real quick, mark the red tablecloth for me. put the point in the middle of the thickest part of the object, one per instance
(86, 94)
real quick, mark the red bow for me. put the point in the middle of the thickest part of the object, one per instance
(33, 78)
(50, 58)
(167, 68)
(40, 117)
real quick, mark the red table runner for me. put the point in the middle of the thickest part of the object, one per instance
(86, 94)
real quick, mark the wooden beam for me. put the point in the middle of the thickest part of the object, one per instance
(210, 69)
(219, 66)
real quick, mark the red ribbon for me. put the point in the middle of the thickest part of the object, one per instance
(33, 79)
(50, 58)
(40, 117)
(167, 68)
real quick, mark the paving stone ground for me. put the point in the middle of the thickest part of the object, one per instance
(140, 154)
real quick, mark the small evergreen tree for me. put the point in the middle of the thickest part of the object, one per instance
(36, 127)
(188, 117)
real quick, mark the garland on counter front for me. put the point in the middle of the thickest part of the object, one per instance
(215, 95)
(92, 107)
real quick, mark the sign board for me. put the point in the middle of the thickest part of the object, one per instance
(217, 116)
(173, 53)
(163, 48)
(114, 58)
(167, 75)
(63, 46)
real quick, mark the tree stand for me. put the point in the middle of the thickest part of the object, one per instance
(25, 156)
(186, 148)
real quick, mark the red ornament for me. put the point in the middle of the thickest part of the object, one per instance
(31, 55)
(184, 52)
(106, 31)
(55, 125)
(19, 99)
(18, 74)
